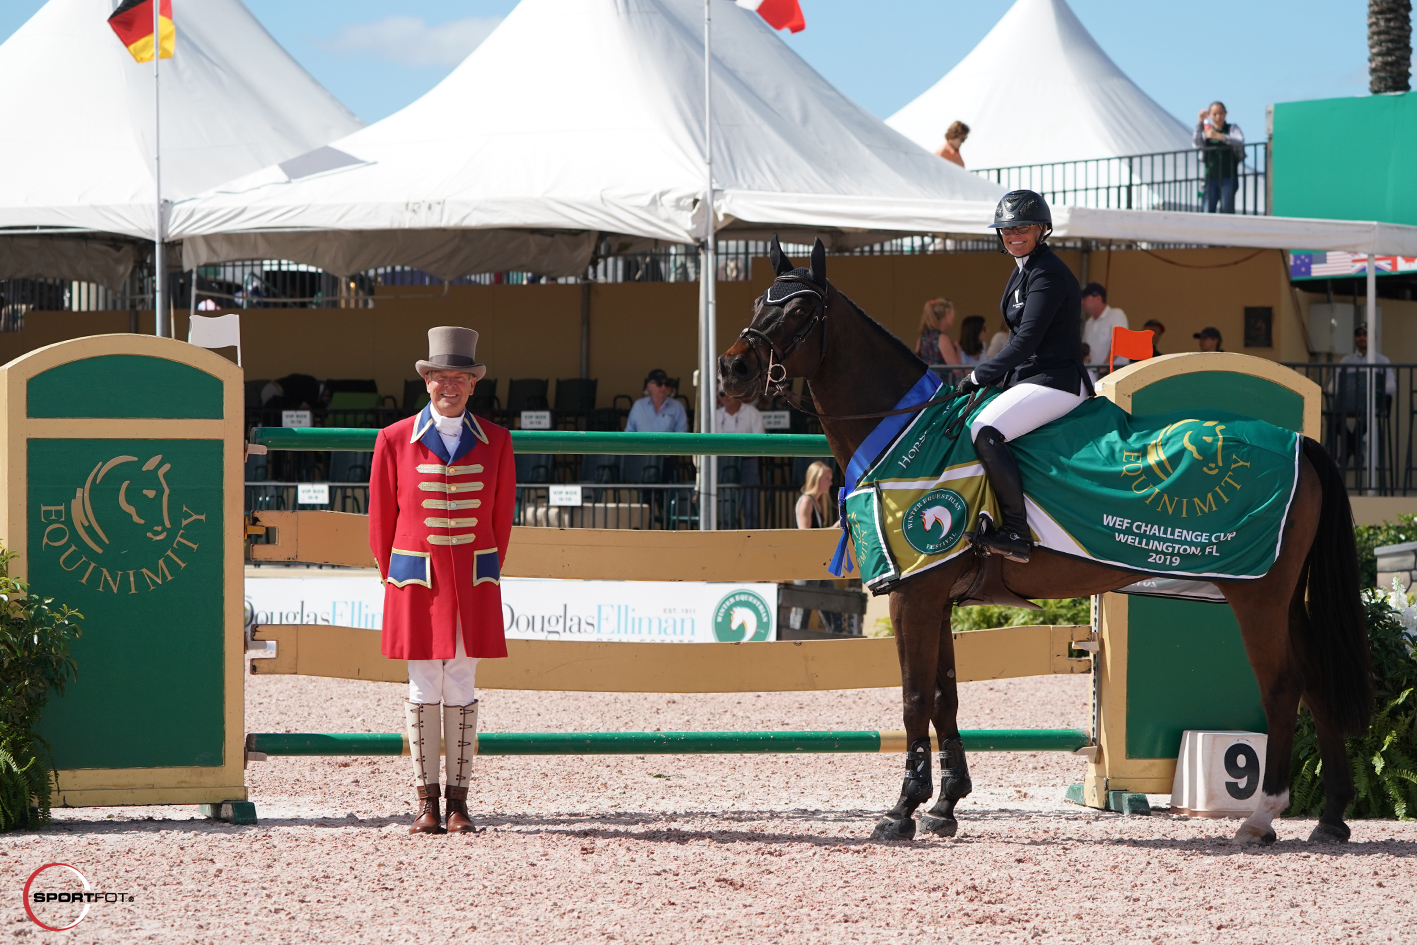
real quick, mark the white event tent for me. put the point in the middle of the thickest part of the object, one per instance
(76, 145)
(1039, 89)
(579, 118)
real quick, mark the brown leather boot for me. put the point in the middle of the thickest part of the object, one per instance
(459, 820)
(429, 818)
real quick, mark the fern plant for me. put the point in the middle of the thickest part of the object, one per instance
(1382, 759)
(35, 637)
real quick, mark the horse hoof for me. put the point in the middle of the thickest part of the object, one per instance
(939, 826)
(888, 829)
(1329, 833)
(1248, 836)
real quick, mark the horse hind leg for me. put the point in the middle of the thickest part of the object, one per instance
(955, 783)
(1266, 631)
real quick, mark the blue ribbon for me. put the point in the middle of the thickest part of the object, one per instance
(885, 433)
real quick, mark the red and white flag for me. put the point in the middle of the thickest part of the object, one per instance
(780, 14)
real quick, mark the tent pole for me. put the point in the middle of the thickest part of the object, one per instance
(161, 320)
(1374, 338)
(708, 318)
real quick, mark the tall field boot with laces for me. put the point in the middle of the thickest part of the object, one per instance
(424, 743)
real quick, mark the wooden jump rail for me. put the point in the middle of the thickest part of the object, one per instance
(777, 555)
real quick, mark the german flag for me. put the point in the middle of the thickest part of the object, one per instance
(133, 22)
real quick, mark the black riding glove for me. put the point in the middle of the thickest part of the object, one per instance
(966, 386)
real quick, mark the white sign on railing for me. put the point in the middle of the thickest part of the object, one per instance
(312, 493)
(566, 496)
(295, 418)
(536, 419)
(777, 420)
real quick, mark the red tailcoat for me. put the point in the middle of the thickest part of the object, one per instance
(439, 527)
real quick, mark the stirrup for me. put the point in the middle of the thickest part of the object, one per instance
(990, 540)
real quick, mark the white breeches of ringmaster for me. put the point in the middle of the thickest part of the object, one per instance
(447, 681)
(1024, 408)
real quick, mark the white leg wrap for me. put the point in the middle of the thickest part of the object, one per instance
(425, 737)
(460, 724)
(1269, 807)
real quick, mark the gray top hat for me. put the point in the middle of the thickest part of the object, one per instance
(451, 348)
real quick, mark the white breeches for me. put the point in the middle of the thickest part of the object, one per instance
(1024, 408)
(447, 681)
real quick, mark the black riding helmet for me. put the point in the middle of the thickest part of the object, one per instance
(1020, 208)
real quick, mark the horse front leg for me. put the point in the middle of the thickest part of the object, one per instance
(955, 783)
(916, 618)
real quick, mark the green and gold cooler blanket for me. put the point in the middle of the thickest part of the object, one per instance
(1199, 493)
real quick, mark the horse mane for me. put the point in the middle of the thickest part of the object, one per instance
(888, 335)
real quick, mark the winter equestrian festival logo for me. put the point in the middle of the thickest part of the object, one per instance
(742, 617)
(936, 521)
(123, 531)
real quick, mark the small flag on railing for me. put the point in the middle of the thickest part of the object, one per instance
(780, 14)
(133, 22)
(1126, 343)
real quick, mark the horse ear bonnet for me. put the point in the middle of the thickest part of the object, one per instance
(800, 281)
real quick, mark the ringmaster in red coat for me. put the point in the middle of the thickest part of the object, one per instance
(441, 494)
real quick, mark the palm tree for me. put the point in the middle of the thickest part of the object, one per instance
(1389, 45)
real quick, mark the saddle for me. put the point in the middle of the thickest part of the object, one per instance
(983, 582)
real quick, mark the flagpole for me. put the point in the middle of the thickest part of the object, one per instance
(708, 298)
(161, 325)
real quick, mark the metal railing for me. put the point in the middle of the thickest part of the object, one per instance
(1346, 423)
(1169, 180)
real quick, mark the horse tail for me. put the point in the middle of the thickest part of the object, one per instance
(1336, 631)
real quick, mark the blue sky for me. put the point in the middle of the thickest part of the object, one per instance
(1249, 53)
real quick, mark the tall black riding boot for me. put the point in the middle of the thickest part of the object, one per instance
(1012, 538)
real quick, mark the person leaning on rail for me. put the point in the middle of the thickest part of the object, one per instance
(441, 495)
(1041, 368)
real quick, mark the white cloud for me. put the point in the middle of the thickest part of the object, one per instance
(412, 41)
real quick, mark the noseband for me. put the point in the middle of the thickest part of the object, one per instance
(783, 290)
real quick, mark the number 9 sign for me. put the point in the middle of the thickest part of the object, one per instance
(1218, 774)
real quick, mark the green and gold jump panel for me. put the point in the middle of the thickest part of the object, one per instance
(123, 458)
(1165, 666)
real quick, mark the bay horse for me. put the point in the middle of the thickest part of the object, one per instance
(1303, 622)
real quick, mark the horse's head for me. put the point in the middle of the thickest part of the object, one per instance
(774, 346)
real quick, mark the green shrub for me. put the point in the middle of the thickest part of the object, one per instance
(1382, 760)
(1369, 537)
(1065, 611)
(35, 634)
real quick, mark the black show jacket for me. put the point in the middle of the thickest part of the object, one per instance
(1042, 305)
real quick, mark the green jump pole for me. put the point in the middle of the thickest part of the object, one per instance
(663, 743)
(570, 441)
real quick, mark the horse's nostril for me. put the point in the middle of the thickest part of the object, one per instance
(740, 369)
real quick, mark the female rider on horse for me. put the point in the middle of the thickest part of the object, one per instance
(1040, 369)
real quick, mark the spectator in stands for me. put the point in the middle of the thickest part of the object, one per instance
(1209, 339)
(1157, 330)
(812, 506)
(971, 340)
(657, 411)
(1222, 147)
(935, 346)
(1101, 319)
(955, 136)
(734, 416)
(1360, 356)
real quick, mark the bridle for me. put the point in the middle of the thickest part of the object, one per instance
(775, 377)
(775, 380)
